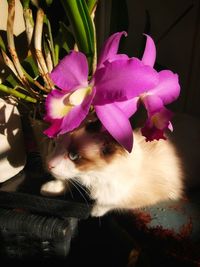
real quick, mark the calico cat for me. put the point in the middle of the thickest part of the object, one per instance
(153, 172)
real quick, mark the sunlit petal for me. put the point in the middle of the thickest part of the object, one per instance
(149, 55)
(168, 88)
(77, 97)
(71, 72)
(129, 107)
(117, 124)
(123, 79)
(56, 106)
(76, 115)
(110, 48)
(152, 103)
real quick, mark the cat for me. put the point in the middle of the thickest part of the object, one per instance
(117, 180)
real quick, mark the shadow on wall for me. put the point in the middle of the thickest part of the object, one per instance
(12, 150)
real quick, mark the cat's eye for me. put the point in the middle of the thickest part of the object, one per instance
(74, 156)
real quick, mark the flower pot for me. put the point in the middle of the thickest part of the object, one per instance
(41, 141)
(12, 149)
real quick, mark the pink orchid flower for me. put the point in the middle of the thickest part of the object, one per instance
(116, 80)
(154, 99)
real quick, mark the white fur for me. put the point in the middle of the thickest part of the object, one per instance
(135, 180)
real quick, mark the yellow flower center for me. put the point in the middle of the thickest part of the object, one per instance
(61, 107)
(73, 99)
(77, 97)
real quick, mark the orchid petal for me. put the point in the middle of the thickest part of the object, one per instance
(162, 119)
(168, 88)
(152, 133)
(110, 48)
(77, 114)
(117, 57)
(123, 79)
(156, 125)
(79, 95)
(170, 127)
(71, 72)
(152, 103)
(149, 55)
(54, 129)
(129, 107)
(55, 105)
(117, 124)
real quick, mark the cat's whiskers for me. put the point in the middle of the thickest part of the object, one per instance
(76, 186)
(86, 190)
(71, 193)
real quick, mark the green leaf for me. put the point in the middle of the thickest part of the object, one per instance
(30, 66)
(81, 23)
(91, 4)
(50, 37)
(12, 81)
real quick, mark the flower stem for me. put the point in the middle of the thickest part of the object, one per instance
(24, 77)
(29, 24)
(11, 43)
(15, 93)
(38, 49)
(9, 63)
(51, 43)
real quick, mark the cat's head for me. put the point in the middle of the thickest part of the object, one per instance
(83, 153)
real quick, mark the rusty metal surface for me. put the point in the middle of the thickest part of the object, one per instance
(170, 229)
(182, 217)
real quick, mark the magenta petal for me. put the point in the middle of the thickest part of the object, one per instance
(168, 88)
(117, 124)
(152, 103)
(54, 129)
(156, 125)
(162, 119)
(152, 133)
(53, 104)
(117, 57)
(110, 48)
(123, 79)
(76, 115)
(71, 72)
(149, 55)
(129, 107)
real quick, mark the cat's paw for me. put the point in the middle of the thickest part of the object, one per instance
(53, 188)
(99, 211)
